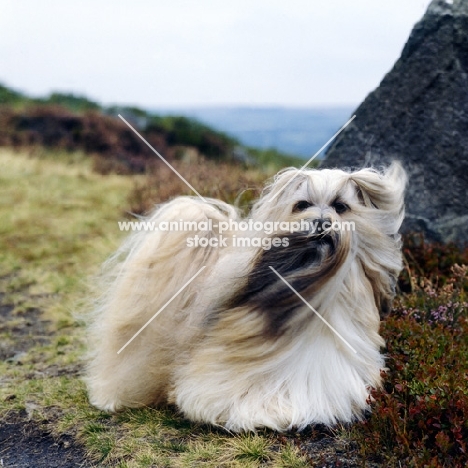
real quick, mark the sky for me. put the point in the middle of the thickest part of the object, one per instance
(180, 53)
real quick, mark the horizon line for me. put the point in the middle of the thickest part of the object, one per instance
(265, 106)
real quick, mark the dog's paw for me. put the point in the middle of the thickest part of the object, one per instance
(105, 402)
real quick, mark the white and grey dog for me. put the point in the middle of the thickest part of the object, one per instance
(237, 347)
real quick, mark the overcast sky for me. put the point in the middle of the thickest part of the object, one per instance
(156, 53)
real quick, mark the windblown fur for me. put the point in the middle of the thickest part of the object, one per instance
(237, 347)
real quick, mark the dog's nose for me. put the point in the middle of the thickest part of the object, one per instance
(319, 225)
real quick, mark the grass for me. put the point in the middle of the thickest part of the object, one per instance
(58, 221)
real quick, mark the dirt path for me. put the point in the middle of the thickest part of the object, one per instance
(25, 443)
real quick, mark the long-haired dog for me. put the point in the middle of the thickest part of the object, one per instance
(237, 346)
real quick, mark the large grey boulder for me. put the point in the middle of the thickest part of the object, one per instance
(419, 115)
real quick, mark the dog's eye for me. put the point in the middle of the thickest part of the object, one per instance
(340, 207)
(302, 205)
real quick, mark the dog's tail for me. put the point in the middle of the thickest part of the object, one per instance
(158, 269)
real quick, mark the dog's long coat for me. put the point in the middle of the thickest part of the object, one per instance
(237, 347)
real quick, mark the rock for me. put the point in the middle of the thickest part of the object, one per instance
(419, 115)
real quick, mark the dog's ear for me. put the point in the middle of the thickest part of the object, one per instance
(382, 190)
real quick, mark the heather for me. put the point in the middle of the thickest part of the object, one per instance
(420, 417)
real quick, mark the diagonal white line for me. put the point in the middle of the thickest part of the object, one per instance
(313, 157)
(161, 309)
(313, 310)
(162, 159)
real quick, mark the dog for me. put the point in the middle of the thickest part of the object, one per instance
(279, 334)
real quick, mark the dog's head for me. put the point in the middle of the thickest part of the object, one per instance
(334, 196)
(351, 217)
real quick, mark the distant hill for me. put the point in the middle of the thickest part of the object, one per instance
(298, 131)
(70, 122)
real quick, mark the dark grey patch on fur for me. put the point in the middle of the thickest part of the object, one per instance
(387, 300)
(303, 264)
(384, 288)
